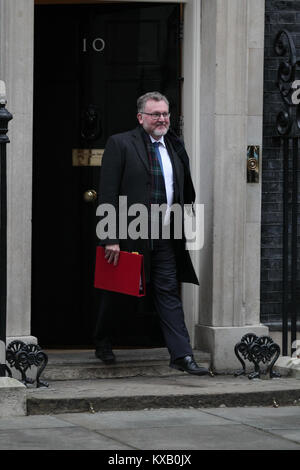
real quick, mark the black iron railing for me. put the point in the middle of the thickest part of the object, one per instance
(288, 128)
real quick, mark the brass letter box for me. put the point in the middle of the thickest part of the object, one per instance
(87, 157)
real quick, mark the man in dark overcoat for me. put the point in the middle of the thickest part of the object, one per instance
(149, 166)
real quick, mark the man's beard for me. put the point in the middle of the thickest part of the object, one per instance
(157, 132)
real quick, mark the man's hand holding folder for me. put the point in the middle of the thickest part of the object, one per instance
(112, 253)
(120, 271)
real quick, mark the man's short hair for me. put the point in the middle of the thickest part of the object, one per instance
(152, 95)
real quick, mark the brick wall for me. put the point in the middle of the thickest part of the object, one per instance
(278, 15)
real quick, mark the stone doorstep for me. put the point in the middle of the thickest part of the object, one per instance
(182, 391)
(83, 365)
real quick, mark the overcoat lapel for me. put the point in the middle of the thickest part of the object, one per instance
(139, 145)
(177, 169)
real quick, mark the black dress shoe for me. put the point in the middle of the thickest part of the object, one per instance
(104, 352)
(188, 364)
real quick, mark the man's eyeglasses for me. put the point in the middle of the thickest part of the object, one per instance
(156, 116)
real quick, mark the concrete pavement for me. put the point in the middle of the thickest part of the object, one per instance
(222, 428)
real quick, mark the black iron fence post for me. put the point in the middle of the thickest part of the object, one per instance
(5, 116)
(285, 248)
(294, 243)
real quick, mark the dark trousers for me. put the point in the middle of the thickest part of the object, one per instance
(166, 300)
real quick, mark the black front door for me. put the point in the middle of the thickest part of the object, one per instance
(91, 63)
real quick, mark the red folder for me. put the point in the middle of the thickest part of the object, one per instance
(128, 277)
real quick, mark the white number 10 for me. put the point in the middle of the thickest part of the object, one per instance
(98, 44)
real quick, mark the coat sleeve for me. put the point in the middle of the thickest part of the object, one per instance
(108, 194)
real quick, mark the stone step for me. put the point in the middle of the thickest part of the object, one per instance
(174, 391)
(83, 365)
